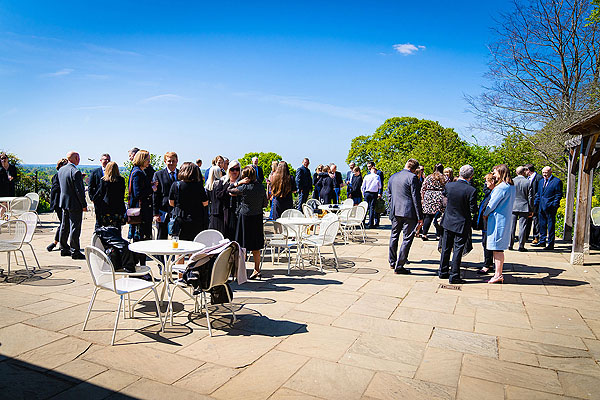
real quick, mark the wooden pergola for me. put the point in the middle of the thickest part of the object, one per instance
(584, 155)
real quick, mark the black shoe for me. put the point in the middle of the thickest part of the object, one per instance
(539, 244)
(65, 253)
(444, 276)
(147, 277)
(51, 247)
(510, 248)
(77, 256)
(549, 247)
(457, 281)
(522, 249)
(392, 266)
(424, 238)
(484, 271)
(402, 271)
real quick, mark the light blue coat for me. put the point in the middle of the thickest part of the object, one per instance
(499, 213)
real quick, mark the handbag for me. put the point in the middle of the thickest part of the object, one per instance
(134, 214)
(174, 225)
(380, 206)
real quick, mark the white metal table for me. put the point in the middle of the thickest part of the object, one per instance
(336, 208)
(164, 247)
(297, 224)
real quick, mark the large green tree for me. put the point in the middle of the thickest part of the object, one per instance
(264, 161)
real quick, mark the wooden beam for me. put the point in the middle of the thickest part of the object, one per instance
(570, 200)
(590, 146)
(574, 164)
(582, 212)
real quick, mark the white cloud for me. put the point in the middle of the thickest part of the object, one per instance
(407, 48)
(62, 72)
(162, 97)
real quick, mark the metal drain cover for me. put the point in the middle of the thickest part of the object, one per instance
(450, 287)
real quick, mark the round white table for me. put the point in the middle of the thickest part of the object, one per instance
(335, 207)
(297, 224)
(164, 247)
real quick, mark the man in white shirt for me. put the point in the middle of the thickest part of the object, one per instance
(370, 189)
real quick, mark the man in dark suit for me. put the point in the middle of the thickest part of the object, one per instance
(549, 193)
(94, 184)
(379, 173)
(260, 177)
(406, 214)
(73, 204)
(8, 177)
(535, 179)
(522, 208)
(161, 184)
(303, 182)
(462, 204)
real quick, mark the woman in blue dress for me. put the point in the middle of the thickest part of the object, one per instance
(499, 217)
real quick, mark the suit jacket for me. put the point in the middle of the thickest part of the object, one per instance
(160, 198)
(7, 187)
(404, 190)
(534, 184)
(54, 193)
(524, 195)
(380, 175)
(548, 198)
(110, 197)
(95, 179)
(303, 179)
(462, 204)
(260, 177)
(72, 192)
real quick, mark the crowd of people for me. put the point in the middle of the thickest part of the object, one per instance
(230, 198)
(451, 205)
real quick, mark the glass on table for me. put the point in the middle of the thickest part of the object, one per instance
(175, 242)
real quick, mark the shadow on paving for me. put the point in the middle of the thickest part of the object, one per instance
(22, 380)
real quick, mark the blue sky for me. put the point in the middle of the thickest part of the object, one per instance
(208, 78)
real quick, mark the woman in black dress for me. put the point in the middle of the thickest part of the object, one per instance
(140, 195)
(54, 198)
(327, 183)
(356, 185)
(188, 199)
(110, 197)
(253, 198)
(228, 202)
(215, 207)
(283, 185)
(316, 183)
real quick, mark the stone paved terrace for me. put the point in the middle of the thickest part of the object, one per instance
(362, 332)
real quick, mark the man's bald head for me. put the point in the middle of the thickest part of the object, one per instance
(547, 172)
(73, 157)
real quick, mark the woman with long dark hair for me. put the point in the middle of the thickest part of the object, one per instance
(432, 200)
(188, 199)
(326, 183)
(282, 185)
(499, 214)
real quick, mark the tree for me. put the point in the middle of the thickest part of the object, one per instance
(399, 139)
(264, 161)
(543, 71)
(594, 17)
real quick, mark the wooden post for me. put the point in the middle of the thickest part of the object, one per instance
(582, 212)
(570, 200)
(586, 240)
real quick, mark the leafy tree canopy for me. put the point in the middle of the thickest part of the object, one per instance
(264, 161)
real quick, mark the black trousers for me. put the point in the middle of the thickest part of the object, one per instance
(370, 198)
(522, 218)
(427, 220)
(407, 226)
(488, 255)
(452, 242)
(302, 197)
(70, 230)
(59, 215)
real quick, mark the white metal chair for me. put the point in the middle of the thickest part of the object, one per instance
(35, 200)
(140, 270)
(209, 237)
(286, 242)
(31, 219)
(326, 237)
(596, 216)
(18, 207)
(12, 235)
(307, 211)
(313, 203)
(220, 274)
(348, 202)
(354, 220)
(292, 213)
(103, 276)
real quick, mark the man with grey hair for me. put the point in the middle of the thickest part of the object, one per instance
(522, 207)
(73, 204)
(94, 184)
(462, 204)
(260, 177)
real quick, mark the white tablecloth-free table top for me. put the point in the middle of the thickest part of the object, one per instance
(7, 199)
(165, 247)
(335, 207)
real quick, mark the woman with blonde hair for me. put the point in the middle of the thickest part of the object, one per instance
(488, 255)
(449, 173)
(226, 221)
(316, 184)
(140, 195)
(109, 197)
(215, 209)
(499, 214)
(283, 185)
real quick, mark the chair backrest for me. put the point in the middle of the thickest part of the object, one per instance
(101, 269)
(96, 242)
(282, 229)
(308, 211)
(209, 237)
(330, 232)
(360, 212)
(348, 202)
(364, 205)
(345, 215)
(35, 200)
(291, 213)
(30, 218)
(222, 267)
(13, 232)
(328, 218)
(20, 205)
(596, 216)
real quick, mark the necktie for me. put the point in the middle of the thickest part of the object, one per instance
(173, 176)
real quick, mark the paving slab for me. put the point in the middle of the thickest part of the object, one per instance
(465, 342)
(387, 386)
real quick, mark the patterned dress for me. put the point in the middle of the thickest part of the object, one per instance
(432, 195)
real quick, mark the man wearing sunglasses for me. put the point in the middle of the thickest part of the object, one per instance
(8, 177)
